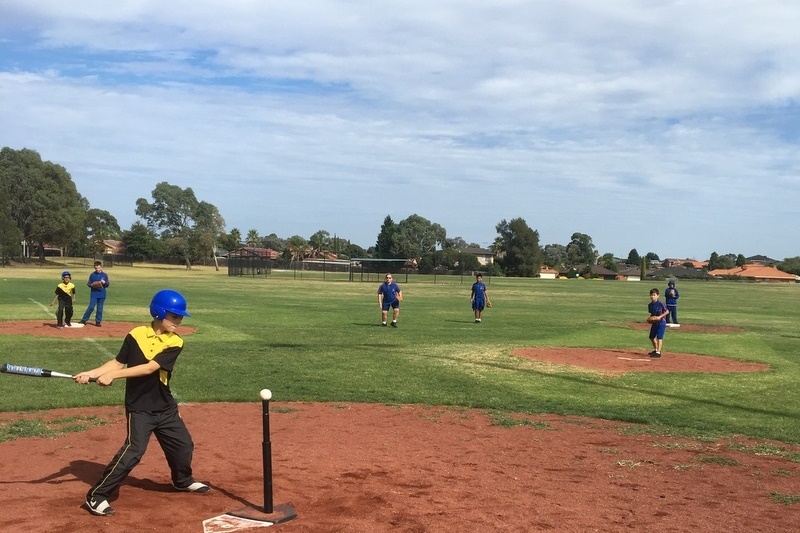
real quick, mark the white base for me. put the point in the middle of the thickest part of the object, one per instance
(75, 325)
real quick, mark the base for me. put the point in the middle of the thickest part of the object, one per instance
(671, 325)
(279, 514)
(75, 325)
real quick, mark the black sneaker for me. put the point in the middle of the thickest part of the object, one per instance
(196, 487)
(97, 324)
(383, 324)
(655, 354)
(99, 508)
(82, 322)
(394, 324)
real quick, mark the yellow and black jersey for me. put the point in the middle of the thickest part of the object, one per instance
(149, 393)
(65, 291)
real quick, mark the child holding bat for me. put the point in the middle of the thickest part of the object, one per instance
(146, 361)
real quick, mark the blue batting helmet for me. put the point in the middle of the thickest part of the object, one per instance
(66, 273)
(168, 301)
(671, 282)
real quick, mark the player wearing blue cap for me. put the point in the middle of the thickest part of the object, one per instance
(146, 360)
(65, 295)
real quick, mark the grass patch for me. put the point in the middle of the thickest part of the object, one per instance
(17, 429)
(508, 421)
(313, 340)
(785, 499)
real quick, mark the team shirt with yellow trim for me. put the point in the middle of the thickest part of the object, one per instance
(65, 291)
(149, 393)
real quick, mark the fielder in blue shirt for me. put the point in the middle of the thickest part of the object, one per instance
(672, 296)
(98, 282)
(389, 295)
(657, 309)
(479, 297)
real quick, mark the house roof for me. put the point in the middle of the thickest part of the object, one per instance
(477, 251)
(754, 272)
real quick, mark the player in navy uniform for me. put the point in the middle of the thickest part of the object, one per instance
(671, 295)
(146, 360)
(479, 297)
(389, 295)
(657, 308)
(98, 282)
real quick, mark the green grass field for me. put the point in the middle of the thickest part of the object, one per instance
(314, 340)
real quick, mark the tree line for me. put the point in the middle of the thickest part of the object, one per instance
(40, 205)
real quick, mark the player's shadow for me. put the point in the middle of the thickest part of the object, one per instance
(88, 472)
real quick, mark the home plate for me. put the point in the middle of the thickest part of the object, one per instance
(634, 359)
(76, 325)
(226, 522)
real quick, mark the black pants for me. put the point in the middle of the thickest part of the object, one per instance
(171, 434)
(64, 312)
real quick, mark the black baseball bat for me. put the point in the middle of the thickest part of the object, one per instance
(34, 371)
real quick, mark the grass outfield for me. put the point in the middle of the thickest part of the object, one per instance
(313, 340)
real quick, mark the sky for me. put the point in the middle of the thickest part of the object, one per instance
(663, 126)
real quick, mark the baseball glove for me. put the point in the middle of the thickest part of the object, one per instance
(653, 319)
(97, 284)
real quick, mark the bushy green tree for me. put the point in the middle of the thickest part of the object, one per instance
(517, 248)
(581, 250)
(43, 202)
(384, 247)
(182, 220)
(141, 242)
(416, 236)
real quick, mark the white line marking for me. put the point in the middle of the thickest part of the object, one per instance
(47, 310)
(633, 359)
(100, 348)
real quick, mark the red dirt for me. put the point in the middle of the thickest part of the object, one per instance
(365, 468)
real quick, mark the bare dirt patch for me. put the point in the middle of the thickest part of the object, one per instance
(90, 330)
(636, 361)
(356, 468)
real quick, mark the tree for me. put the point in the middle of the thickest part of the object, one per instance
(555, 256)
(209, 228)
(790, 265)
(633, 258)
(141, 242)
(252, 238)
(189, 228)
(740, 260)
(10, 235)
(643, 269)
(456, 243)
(385, 244)
(273, 242)
(100, 226)
(609, 262)
(231, 241)
(581, 250)
(43, 202)
(416, 237)
(517, 248)
(320, 242)
(297, 248)
(721, 262)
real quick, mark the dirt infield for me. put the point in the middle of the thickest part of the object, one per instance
(359, 468)
(366, 468)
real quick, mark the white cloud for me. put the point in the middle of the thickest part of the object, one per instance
(603, 118)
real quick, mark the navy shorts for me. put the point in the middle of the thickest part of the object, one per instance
(657, 330)
(394, 305)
